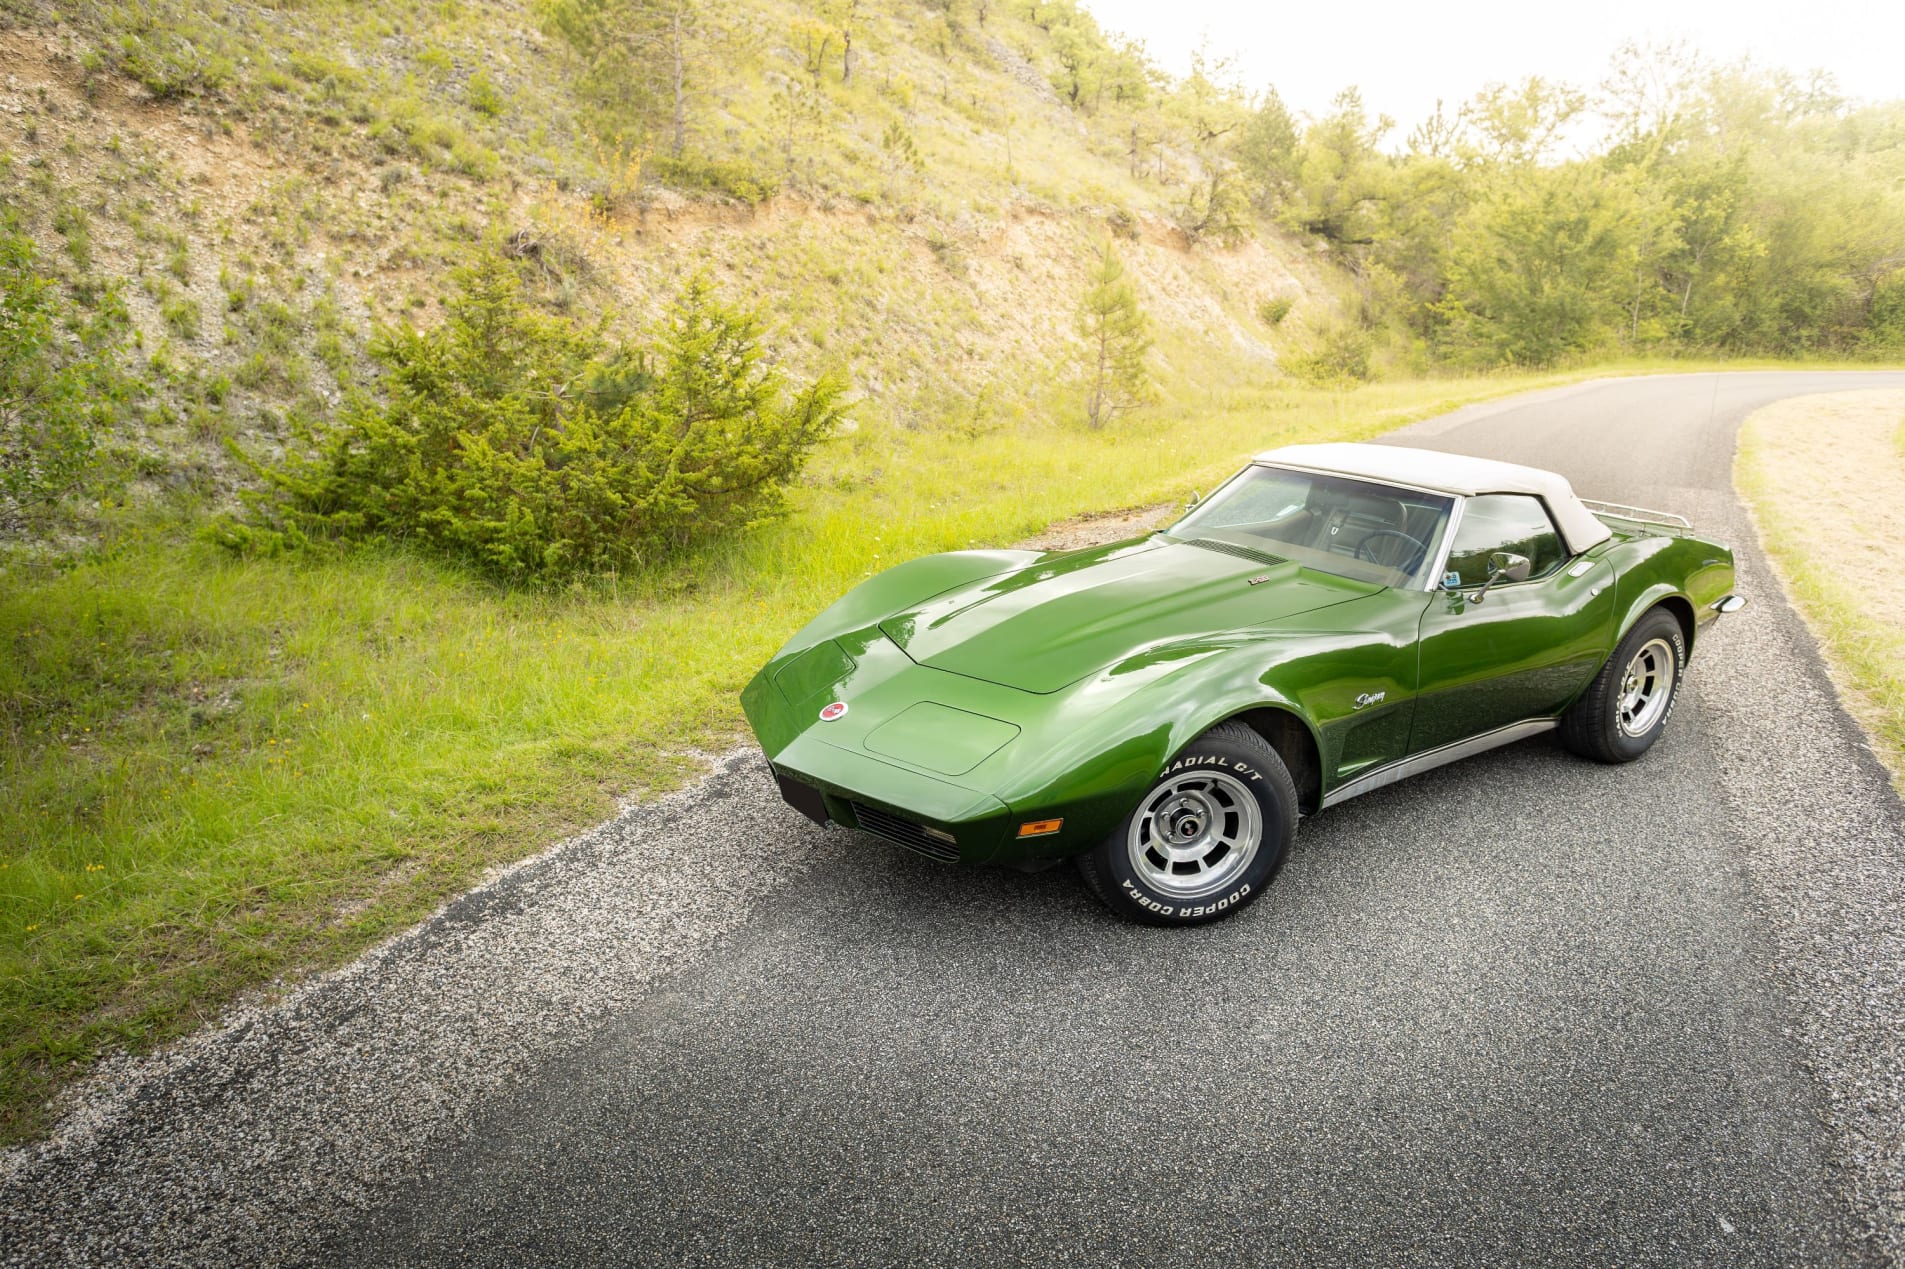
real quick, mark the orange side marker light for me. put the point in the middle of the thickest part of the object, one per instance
(1040, 828)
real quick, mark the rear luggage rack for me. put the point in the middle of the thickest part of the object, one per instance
(904, 832)
(1622, 512)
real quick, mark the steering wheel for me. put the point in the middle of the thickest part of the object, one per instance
(1415, 561)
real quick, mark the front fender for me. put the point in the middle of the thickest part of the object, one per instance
(904, 586)
(1105, 743)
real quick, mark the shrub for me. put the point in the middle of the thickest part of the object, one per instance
(1274, 309)
(57, 393)
(951, 256)
(520, 444)
(1886, 330)
(181, 315)
(485, 97)
(717, 176)
(170, 64)
(1339, 356)
(71, 223)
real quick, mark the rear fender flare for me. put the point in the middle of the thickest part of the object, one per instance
(1649, 599)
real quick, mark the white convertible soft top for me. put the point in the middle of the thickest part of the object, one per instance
(1450, 474)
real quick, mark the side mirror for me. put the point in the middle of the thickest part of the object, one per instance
(1195, 498)
(1503, 566)
(1511, 567)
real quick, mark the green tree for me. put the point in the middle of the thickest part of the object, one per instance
(644, 63)
(1075, 51)
(1117, 341)
(1266, 150)
(1342, 178)
(1521, 125)
(1887, 329)
(518, 443)
(1210, 110)
(1536, 272)
(795, 115)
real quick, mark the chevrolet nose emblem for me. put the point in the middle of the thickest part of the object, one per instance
(836, 710)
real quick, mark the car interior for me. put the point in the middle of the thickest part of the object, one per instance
(1353, 528)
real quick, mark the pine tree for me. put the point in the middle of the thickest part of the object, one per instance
(1117, 341)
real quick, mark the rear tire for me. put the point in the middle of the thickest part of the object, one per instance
(1207, 837)
(1625, 709)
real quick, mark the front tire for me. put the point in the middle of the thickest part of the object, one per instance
(1206, 838)
(1625, 709)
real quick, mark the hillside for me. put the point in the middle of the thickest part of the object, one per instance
(266, 184)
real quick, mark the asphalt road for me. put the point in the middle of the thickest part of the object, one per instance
(1514, 1010)
(1524, 1009)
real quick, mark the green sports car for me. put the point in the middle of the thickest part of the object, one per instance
(1333, 619)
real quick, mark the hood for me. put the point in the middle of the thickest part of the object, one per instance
(1051, 623)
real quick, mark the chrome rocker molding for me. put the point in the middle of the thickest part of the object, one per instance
(1434, 758)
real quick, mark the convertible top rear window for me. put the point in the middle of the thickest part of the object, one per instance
(1353, 528)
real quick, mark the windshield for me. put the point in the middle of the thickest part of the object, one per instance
(1352, 528)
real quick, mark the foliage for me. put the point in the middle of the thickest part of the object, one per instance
(902, 153)
(1274, 308)
(1266, 150)
(1338, 357)
(1214, 206)
(1733, 210)
(1117, 341)
(643, 64)
(518, 443)
(484, 96)
(733, 178)
(1531, 271)
(1887, 331)
(60, 383)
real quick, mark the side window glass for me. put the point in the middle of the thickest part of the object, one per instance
(1503, 522)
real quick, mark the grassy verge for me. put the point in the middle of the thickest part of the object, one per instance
(1825, 478)
(214, 771)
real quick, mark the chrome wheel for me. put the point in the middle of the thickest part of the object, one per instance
(1194, 834)
(1647, 687)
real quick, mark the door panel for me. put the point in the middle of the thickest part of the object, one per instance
(1522, 653)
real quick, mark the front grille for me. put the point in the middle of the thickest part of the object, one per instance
(1241, 552)
(903, 832)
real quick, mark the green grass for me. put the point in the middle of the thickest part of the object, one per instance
(214, 771)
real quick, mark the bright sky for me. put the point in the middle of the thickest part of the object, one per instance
(1405, 55)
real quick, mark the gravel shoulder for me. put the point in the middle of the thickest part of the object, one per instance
(1828, 492)
(244, 1143)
